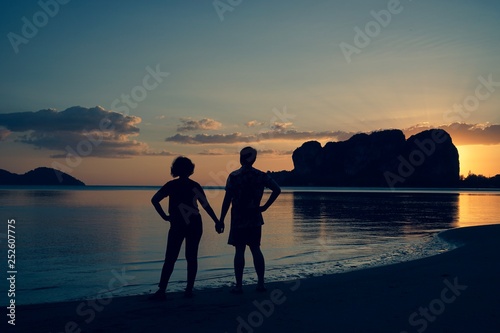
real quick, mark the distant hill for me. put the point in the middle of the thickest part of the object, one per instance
(39, 176)
(379, 159)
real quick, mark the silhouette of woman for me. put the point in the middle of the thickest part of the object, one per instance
(185, 222)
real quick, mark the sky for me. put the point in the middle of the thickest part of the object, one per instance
(111, 92)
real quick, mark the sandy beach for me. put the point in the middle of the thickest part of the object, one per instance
(456, 291)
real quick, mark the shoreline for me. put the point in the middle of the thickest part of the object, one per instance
(427, 245)
(455, 291)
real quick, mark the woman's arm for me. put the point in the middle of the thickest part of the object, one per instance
(202, 198)
(155, 200)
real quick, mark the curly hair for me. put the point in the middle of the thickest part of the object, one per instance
(182, 167)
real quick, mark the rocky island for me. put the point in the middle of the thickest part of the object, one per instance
(39, 176)
(379, 159)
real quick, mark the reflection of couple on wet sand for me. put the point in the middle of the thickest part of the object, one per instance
(244, 191)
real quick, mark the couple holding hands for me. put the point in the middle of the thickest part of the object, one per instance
(244, 191)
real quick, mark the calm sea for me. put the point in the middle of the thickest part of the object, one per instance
(81, 243)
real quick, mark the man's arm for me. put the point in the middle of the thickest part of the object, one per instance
(225, 206)
(276, 190)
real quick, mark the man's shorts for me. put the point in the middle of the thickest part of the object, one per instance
(245, 236)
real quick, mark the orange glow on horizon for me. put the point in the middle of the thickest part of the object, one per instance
(213, 169)
(479, 159)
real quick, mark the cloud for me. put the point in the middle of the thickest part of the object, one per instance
(74, 119)
(220, 151)
(214, 152)
(464, 134)
(189, 124)
(159, 153)
(78, 130)
(274, 152)
(209, 139)
(254, 123)
(280, 126)
(461, 133)
(262, 136)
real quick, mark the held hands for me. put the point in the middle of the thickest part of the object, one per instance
(219, 227)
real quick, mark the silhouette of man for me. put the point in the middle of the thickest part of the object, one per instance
(244, 190)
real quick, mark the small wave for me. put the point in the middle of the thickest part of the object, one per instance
(296, 255)
(216, 269)
(39, 288)
(144, 262)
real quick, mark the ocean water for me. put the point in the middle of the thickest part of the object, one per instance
(84, 243)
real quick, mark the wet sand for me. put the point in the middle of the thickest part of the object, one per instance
(457, 291)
